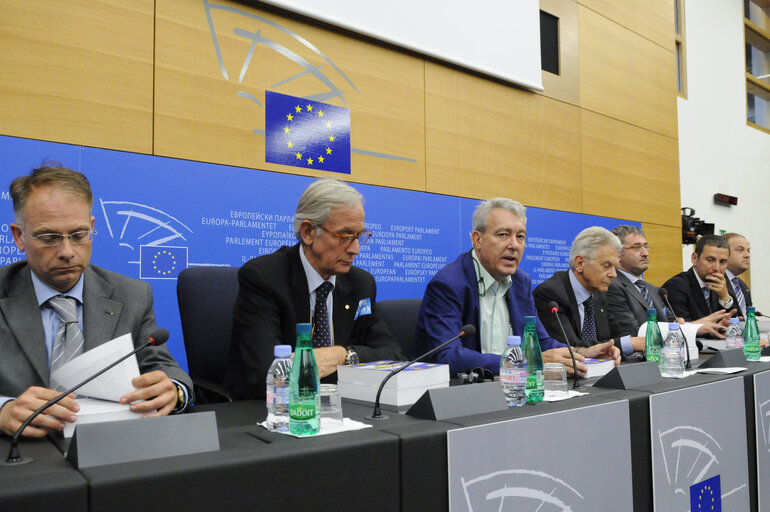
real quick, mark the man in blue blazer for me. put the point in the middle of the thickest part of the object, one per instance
(484, 287)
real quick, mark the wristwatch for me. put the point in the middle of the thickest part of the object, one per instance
(180, 402)
(352, 358)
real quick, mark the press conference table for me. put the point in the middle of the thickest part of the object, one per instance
(399, 464)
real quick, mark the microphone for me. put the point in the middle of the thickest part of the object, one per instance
(466, 331)
(555, 310)
(664, 295)
(156, 338)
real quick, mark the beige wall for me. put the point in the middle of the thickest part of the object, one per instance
(144, 77)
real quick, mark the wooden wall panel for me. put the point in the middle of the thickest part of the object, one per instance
(78, 72)
(625, 76)
(566, 85)
(652, 19)
(485, 139)
(665, 252)
(200, 115)
(629, 172)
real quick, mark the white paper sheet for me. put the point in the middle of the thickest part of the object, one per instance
(97, 411)
(109, 386)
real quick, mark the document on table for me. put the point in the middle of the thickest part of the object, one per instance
(112, 384)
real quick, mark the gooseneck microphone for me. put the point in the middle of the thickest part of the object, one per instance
(664, 295)
(555, 310)
(156, 338)
(466, 331)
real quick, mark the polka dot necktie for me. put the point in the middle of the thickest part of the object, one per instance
(589, 323)
(321, 335)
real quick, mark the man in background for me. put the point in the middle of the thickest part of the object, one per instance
(738, 263)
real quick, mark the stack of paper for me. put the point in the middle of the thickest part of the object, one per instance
(405, 388)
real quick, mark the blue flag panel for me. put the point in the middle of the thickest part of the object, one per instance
(306, 133)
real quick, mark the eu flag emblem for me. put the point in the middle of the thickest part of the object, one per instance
(706, 496)
(307, 134)
(159, 262)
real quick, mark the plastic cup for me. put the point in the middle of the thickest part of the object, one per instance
(555, 380)
(331, 406)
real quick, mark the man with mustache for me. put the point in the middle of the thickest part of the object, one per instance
(629, 295)
(314, 282)
(580, 291)
(486, 288)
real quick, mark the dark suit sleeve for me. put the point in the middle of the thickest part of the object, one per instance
(622, 319)
(545, 293)
(441, 318)
(678, 288)
(371, 337)
(257, 329)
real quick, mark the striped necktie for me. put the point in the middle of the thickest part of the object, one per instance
(739, 294)
(69, 340)
(645, 292)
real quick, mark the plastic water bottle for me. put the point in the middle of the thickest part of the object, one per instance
(513, 373)
(278, 389)
(304, 398)
(751, 346)
(734, 334)
(535, 379)
(671, 355)
(653, 340)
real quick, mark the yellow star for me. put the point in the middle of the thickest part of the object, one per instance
(328, 124)
(321, 159)
(291, 144)
(331, 138)
(310, 161)
(310, 108)
(299, 156)
(289, 117)
(298, 109)
(328, 151)
(286, 129)
(320, 113)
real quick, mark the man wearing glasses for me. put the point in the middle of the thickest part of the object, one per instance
(629, 296)
(314, 282)
(54, 306)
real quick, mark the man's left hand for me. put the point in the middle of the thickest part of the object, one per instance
(606, 350)
(157, 391)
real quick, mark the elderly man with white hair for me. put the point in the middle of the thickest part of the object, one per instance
(580, 291)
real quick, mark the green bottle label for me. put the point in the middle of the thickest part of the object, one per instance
(302, 411)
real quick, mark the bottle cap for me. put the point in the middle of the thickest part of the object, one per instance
(282, 351)
(673, 326)
(514, 340)
(734, 320)
(751, 309)
(529, 320)
(652, 311)
(306, 329)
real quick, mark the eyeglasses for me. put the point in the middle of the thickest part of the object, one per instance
(54, 239)
(362, 236)
(637, 247)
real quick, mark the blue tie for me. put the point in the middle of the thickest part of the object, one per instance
(589, 323)
(321, 335)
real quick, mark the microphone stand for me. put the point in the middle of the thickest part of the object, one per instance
(14, 458)
(467, 330)
(555, 311)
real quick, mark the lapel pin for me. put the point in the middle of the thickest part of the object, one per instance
(347, 306)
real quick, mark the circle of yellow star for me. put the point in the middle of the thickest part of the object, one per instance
(299, 156)
(289, 117)
(310, 161)
(310, 108)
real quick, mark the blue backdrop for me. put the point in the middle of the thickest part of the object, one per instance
(156, 216)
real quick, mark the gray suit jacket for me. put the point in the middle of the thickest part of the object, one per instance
(113, 305)
(626, 304)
